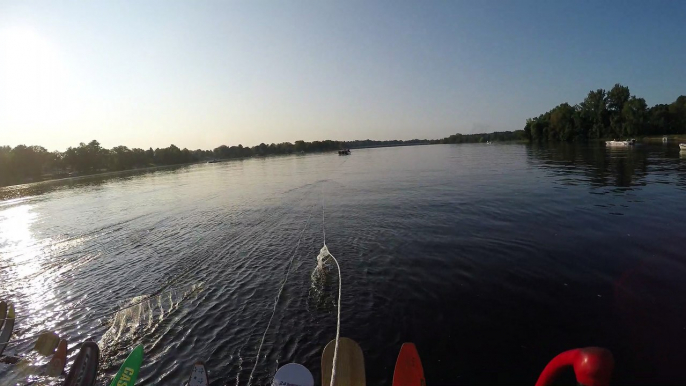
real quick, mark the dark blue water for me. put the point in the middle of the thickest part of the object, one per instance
(490, 258)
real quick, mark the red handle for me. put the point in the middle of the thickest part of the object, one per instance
(592, 366)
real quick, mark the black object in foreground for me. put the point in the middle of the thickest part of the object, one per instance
(84, 371)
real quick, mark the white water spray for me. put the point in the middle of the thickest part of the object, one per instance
(144, 314)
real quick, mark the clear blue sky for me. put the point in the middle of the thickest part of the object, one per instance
(199, 74)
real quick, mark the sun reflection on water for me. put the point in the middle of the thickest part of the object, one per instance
(23, 280)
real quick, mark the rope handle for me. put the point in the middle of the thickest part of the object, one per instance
(592, 366)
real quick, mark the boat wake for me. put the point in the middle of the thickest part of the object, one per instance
(141, 316)
(321, 296)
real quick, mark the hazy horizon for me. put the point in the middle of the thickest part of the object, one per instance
(204, 74)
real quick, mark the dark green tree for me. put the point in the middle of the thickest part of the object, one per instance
(594, 113)
(634, 117)
(677, 110)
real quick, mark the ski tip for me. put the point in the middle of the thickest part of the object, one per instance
(47, 343)
(409, 348)
(198, 375)
(293, 374)
(58, 361)
(408, 368)
(350, 363)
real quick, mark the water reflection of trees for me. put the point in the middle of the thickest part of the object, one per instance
(681, 177)
(597, 166)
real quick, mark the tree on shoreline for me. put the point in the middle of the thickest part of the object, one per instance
(607, 114)
(602, 114)
(23, 164)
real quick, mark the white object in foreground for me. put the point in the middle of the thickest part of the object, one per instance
(198, 375)
(293, 374)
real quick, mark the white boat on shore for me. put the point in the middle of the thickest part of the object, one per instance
(682, 146)
(621, 143)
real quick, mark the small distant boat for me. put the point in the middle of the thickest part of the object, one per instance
(664, 139)
(344, 152)
(628, 142)
(682, 146)
(212, 161)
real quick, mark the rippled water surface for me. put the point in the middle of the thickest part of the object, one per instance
(491, 258)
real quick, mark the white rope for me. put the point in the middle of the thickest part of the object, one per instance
(276, 301)
(323, 224)
(338, 320)
(340, 290)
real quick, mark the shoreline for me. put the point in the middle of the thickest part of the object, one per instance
(94, 175)
(153, 168)
(676, 138)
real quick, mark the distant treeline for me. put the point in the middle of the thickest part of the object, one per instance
(34, 163)
(226, 152)
(603, 114)
(24, 164)
(516, 135)
(608, 114)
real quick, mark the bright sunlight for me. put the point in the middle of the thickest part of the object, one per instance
(34, 83)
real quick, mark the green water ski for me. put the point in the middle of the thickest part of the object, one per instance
(128, 372)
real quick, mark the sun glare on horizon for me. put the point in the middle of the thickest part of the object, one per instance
(35, 88)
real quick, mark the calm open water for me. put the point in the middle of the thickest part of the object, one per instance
(492, 259)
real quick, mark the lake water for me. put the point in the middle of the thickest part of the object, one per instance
(492, 259)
